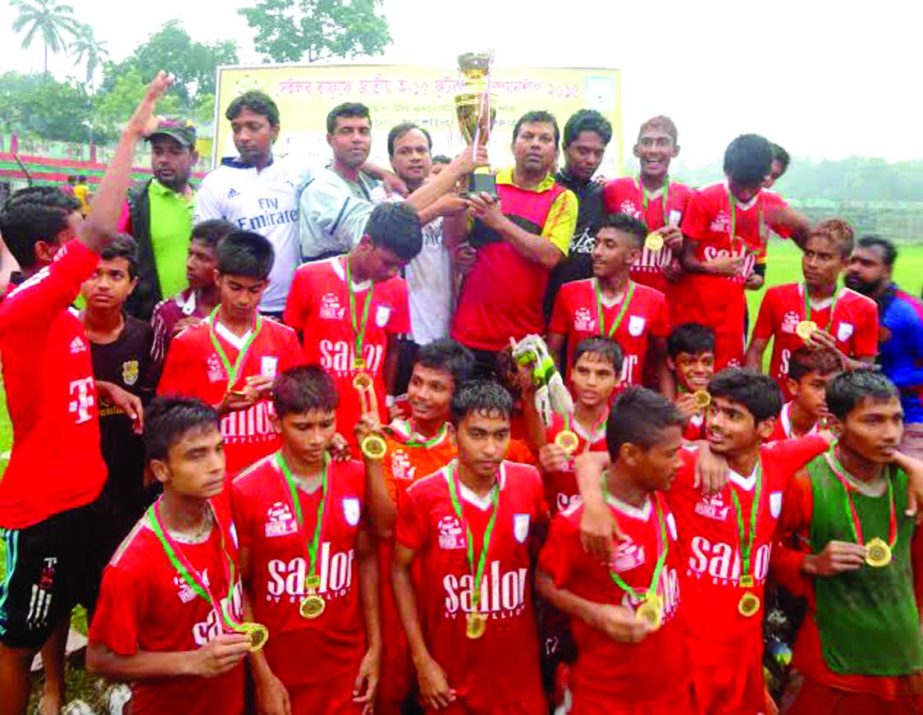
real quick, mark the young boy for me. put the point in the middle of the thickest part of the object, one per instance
(691, 359)
(656, 200)
(170, 613)
(612, 305)
(232, 359)
(809, 372)
(726, 228)
(469, 529)
(818, 312)
(307, 560)
(857, 559)
(625, 662)
(352, 309)
(195, 304)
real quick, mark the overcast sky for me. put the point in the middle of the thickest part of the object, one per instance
(824, 79)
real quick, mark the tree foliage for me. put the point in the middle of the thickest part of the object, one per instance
(297, 30)
(45, 18)
(36, 105)
(88, 50)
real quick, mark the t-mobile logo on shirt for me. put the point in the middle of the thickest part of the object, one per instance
(84, 401)
(499, 591)
(722, 561)
(335, 569)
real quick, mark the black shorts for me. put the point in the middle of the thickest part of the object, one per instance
(51, 566)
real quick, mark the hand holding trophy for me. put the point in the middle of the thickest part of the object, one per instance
(476, 112)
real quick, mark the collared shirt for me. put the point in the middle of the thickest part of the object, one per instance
(172, 216)
(562, 217)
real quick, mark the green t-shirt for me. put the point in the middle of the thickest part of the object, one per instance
(171, 226)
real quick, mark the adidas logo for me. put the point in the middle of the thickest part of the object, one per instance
(78, 346)
(232, 193)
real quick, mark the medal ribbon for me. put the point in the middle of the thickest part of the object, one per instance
(663, 546)
(807, 304)
(850, 506)
(232, 370)
(747, 549)
(626, 299)
(599, 423)
(732, 200)
(477, 574)
(358, 327)
(664, 197)
(188, 572)
(299, 517)
(427, 443)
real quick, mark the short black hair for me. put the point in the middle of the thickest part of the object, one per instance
(587, 120)
(748, 160)
(692, 339)
(846, 391)
(81, 179)
(605, 348)
(448, 356)
(441, 159)
(396, 226)
(123, 246)
(887, 248)
(33, 214)
(483, 396)
(258, 103)
(401, 129)
(634, 227)
(211, 231)
(805, 360)
(304, 388)
(535, 116)
(355, 110)
(169, 418)
(245, 253)
(780, 155)
(639, 417)
(758, 393)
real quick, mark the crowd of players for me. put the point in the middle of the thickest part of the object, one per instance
(331, 506)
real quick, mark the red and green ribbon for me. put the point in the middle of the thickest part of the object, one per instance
(664, 197)
(850, 506)
(232, 370)
(357, 325)
(313, 544)
(807, 304)
(477, 573)
(626, 300)
(746, 547)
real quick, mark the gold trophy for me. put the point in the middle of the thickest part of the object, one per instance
(476, 111)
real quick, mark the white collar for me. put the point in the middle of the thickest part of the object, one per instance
(785, 416)
(341, 274)
(591, 437)
(745, 483)
(237, 341)
(817, 304)
(187, 306)
(614, 300)
(640, 513)
(481, 502)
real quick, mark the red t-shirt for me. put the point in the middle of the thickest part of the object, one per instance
(194, 369)
(561, 488)
(783, 427)
(624, 196)
(576, 315)
(318, 306)
(279, 564)
(695, 428)
(145, 605)
(500, 668)
(655, 670)
(56, 463)
(855, 325)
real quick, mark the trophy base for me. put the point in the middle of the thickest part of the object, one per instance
(481, 182)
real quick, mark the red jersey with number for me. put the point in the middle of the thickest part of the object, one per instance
(625, 196)
(576, 315)
(194, 369)
(318, 306)
(146, 605)
(56, 463)
(561, 488)
(854, 326)
(500, 668)
(718, 301)
(654, 671)
(279, 564)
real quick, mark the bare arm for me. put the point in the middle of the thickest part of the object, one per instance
(215, 658)
(657, 352)
(382, 510)
(755, 352)
(537, 249)
(391, 366)
(445, 180)
(366, 685)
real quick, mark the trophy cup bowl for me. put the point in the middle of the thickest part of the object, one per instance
(475, 108)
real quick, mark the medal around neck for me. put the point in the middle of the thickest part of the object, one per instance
(650, 611)
(567, 440)
(654, 241)
(805, 329)
(878, 553)
(702, 399)
(475, 625)
(749, 604)
(258, 634)
(312, 606)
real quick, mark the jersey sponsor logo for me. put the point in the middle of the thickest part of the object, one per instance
(636, 325)
(401, 467)
(382, 315)
(712, 506)
(254, 422)
(184, 591)
(584, 322)
(790, 321)
(628, 367)
(351, 510)
(721, 561)
(338, 356)
(844, 331)
(279, 520)
(775, 504)
(451, 534)
(83, 400)
(628, 555)
(213, 625)
(78, 345)
(233, 192)
(521, 527)
(269, 366)
(653, 260)
(501, 592)
(671, 526)
(130, 372)
(271, 216)
(216, 372)
(330, 308)
(629, 207)
(786, 357)
(721, 223)
(564, 501)
(334, 568)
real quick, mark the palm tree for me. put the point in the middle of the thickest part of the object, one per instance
(47, 18)
(85, 47)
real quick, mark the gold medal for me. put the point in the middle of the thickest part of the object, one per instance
(746, 581)
(363, 381)
(749, 604)
(702, 399)
(654, 241)
(650, 611)
(312, 606)
(475, 624)
(258, 634)
(567, 440)
(805, 329)
(878, 553)
(374, 447)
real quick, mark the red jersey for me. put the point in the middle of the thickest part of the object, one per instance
(783, 428)
(561, 487)
(576, 315)
(695, 428)
(146, 605)
(194, 369)
(854, 326)
(654, 671)
(279, 564)
(56, 462)
(625, 196)
(167, 313)
(318, 306)
(500, 668)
